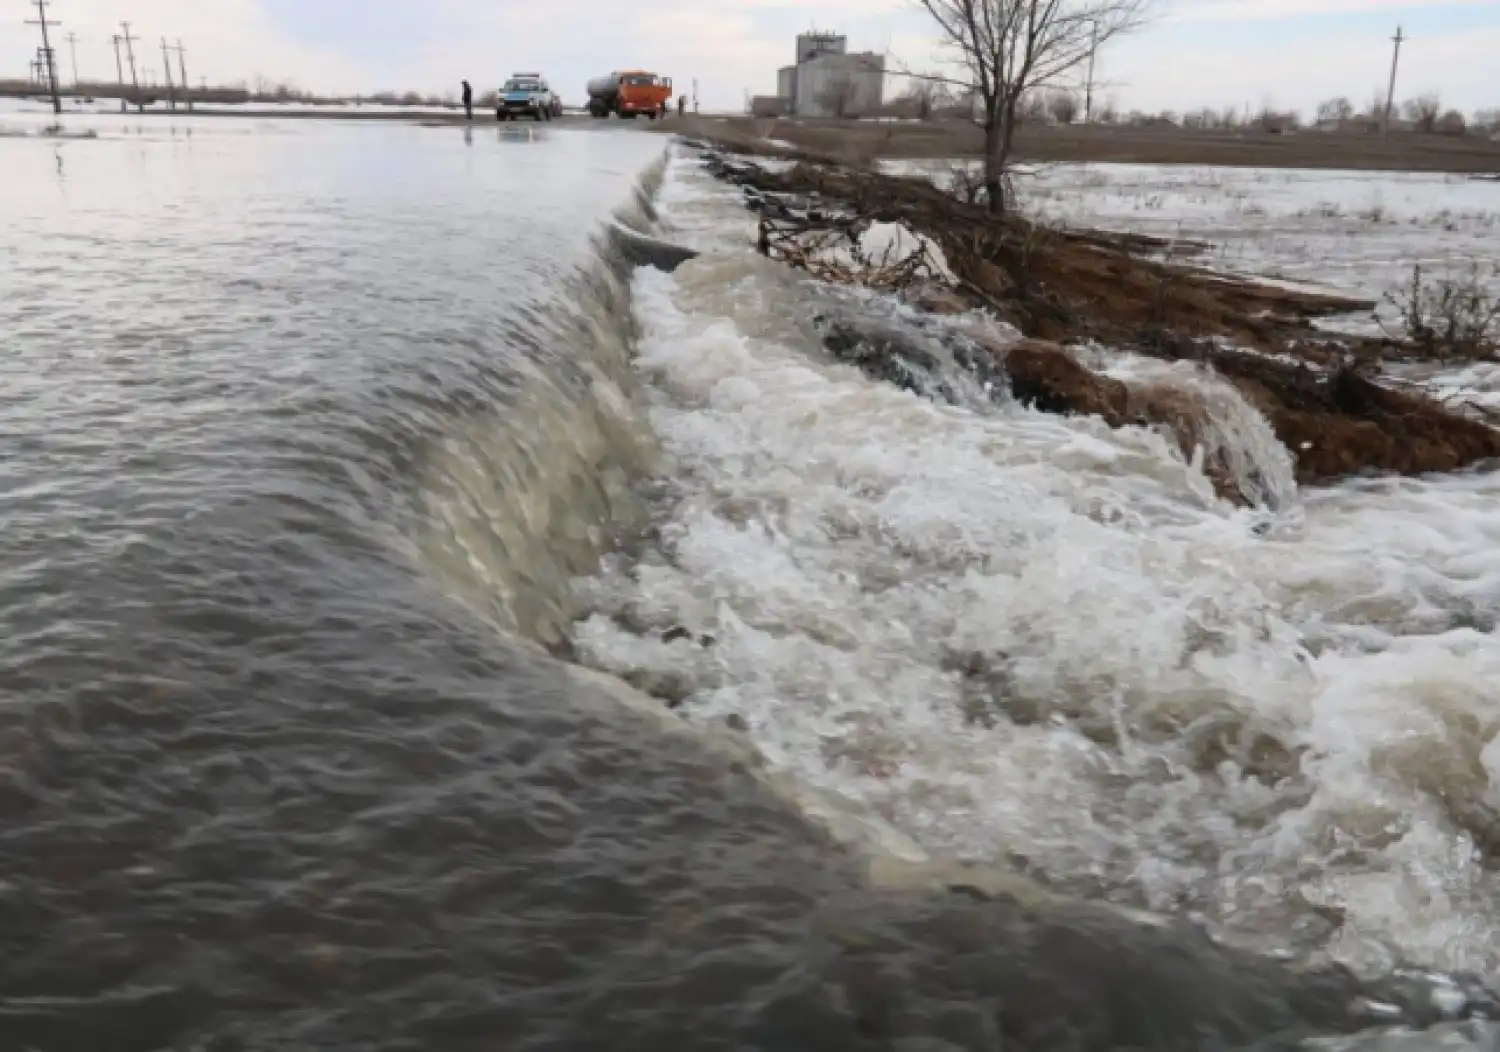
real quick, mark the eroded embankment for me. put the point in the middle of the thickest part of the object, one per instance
(1319, 390)
(733, 390)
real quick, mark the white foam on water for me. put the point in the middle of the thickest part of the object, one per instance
(1232, 433)
(1019, 636)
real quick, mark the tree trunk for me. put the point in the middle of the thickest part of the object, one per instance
(994, 166)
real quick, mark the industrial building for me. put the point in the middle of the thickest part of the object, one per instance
(826, 80)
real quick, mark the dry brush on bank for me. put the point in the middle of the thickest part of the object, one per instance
(1320, 391)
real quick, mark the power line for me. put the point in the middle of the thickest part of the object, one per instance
(130, 54)
(120, 73)
(1390, 96)
(73, 54)
(41, 20)
(166, 65)
(187, 90)
(1088, 92)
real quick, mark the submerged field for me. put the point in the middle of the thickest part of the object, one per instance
(1352, 233)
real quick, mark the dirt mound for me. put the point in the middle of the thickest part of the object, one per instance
(1046, 377)
(1319, 392)
(1053, 283)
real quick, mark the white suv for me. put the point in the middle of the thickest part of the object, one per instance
(527, 95)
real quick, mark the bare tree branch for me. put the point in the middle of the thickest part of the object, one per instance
(1012, 47)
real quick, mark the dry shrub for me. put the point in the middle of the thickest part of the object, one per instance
(1452, 123)
(966, 182)
(1457, 317)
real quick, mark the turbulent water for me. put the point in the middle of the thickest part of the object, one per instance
(314, 440)
(1020, 636)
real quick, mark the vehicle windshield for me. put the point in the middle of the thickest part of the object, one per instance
(641, 81)
(523, 85)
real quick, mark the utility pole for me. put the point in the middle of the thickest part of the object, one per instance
(1390, 95)
(166, 66)
(187, 91)
(41, 20)
(73, 54)
(120, 73)
(695, 96)
(1088, 91)
(135, 82)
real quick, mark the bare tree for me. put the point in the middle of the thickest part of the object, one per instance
(1340, 110)
(1009, 48)
(1278, 121)
(1032, 108)
(1062, 107)
(1452, 123)
(1423, 111)
(922, 98)
(1205, 118)
(1488, 119)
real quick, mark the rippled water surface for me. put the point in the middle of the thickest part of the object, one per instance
(305, 430)
(261, 781)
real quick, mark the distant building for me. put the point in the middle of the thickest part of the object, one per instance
(770, 106)
(827, 81)
(814, 45)
(786, 83)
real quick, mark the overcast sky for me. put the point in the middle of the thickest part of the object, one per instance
(1290, 53)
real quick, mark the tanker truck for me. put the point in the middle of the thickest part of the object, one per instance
(629, 93)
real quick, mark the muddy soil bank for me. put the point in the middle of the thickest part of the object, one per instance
(1321, 391)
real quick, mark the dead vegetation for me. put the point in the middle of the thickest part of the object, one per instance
(1449, 318)
(1320, 391)
(839, 254)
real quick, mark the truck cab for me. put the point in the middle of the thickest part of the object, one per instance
(644, 93)
(526, 95)
(630, 93)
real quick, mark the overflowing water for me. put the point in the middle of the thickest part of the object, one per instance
(340, 461)
(1019, 637)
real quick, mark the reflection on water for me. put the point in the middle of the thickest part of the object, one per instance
(512, 132)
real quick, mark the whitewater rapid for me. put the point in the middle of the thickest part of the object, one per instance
(1040, 642)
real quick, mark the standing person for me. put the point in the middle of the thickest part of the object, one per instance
(681, 105)
(468, 101)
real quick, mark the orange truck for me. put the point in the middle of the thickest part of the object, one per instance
(630, 93)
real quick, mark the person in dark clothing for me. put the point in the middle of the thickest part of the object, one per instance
(681, 105)
(468, 101)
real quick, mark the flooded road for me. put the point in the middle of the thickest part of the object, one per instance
(307, 431)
